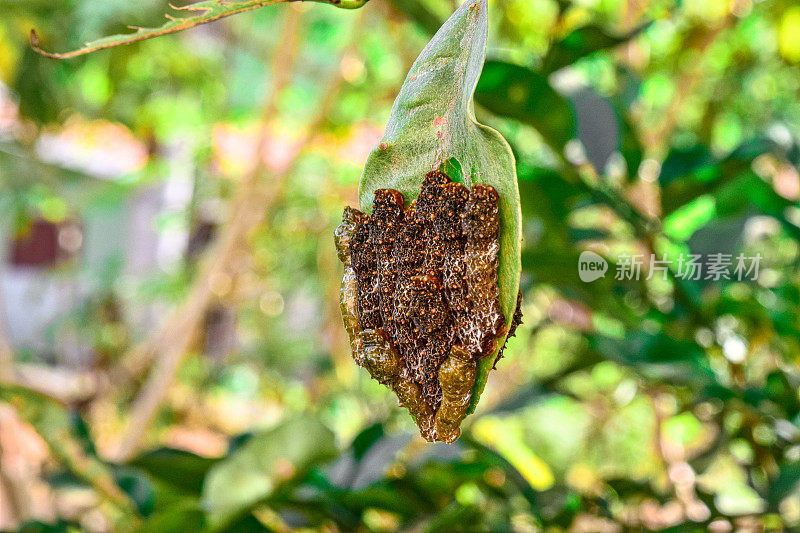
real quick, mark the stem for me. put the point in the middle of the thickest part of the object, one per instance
(210, 11)
(7, 372)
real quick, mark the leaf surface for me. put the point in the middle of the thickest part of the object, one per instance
(255, 471)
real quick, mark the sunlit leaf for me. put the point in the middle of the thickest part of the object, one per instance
(505, 436)
(266, 461)
(789, 34)
(682, 223)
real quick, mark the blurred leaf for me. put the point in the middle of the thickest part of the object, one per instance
(685, 221)
(659, 356)
(384, 495)
(246, 524)
(431, 122)
(505, 435)
(137, 487)
(200, 13)
(366, 439)
(785, 484)
(629, 145)
(61, 526)
(186, 516)
(580, 43)
(181, 469)
(788, 35)
(40, 98)
(417, 11)
(523, 94)
(681, 162)
(456, 518)
(56, 426)
(691, 172)
(266, 461)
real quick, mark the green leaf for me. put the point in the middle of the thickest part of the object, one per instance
(199, 13)
(580, 43)
(682, 162)
(184, 516)
(786, 483)
(178, 468)
(523, 94)
(432, 120)
(658, 356)
(61, 526)
(137, 487)
(266, 461)
(56, 427)
(364, 440)
(420, 13)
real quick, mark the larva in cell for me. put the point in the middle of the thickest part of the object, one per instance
(457, 378)
(481, 227)
(348, 293)
(371, 348)
(384, 365)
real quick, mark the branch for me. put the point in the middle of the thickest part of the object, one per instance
(52, 422)
(6, 352)
(14, 484)
(251, 206)
(203, 13)
(135, 361)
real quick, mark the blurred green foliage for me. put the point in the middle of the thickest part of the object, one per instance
(657, 404)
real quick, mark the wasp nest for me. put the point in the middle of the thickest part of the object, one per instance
(420, 298)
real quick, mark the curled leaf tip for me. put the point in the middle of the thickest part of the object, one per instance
(34, 40)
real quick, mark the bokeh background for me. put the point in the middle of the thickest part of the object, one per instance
(171, 350)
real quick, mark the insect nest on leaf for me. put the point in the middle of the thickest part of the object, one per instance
(420, 298)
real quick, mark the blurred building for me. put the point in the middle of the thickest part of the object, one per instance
(65, 247)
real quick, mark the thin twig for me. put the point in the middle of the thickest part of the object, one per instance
(6, 352)
(12, 487)
(209, 11)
